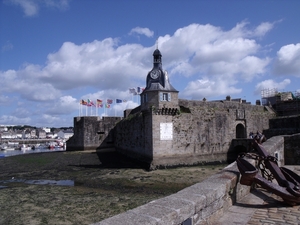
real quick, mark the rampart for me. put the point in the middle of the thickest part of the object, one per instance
(285, 125)
(200, 133)
(202, 203)
(92, 132)
(292, 149)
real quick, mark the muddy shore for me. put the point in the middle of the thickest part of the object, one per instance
(98, 185)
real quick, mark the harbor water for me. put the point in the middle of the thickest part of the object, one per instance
(7, 153)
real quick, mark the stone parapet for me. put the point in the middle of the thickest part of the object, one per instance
(200, 204)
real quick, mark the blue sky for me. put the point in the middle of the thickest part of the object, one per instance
(56, 52)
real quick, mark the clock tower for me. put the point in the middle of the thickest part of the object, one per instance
(159, 94)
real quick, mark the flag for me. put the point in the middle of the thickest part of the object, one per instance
(83, 102)
(99, 103)
(90, 103)
(140, 90)
(119, 101)
(132, 91)
(109, 101)
(107, 106)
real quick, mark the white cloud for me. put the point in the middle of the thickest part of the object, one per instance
(205, 88)
(143, 31)
(210, 61)
(208, 50)
(59, 4)
(288, 60)
(263, 29)
(8, 119)
(23, 83)
(271, 84)
(7, 46)
(64, 105)
(31, 7)
(100, 64)
(195, 50)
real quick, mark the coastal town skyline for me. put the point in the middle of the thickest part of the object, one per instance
(54, 54)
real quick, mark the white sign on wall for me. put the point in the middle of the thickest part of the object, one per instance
(166, 131)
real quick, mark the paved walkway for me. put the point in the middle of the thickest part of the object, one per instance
(261, 208)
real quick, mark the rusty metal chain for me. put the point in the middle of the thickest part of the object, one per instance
(266, 173)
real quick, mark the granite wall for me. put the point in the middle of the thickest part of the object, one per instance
(92, 132)
(285, 125)
(200, 133)
(292, 149)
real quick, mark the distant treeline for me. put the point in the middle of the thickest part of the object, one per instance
(28, 127)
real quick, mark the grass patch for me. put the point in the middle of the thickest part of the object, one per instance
(39, 161)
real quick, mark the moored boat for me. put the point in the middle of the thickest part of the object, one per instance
(25, 147)
(7, 148)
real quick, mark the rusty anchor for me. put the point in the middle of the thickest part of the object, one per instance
(288, 187)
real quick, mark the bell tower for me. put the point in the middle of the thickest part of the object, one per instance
(159, 94)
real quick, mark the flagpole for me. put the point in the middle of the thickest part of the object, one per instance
(96, 108)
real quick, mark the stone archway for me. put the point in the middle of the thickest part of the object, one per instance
(240, 131)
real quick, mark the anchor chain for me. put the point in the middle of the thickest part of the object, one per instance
(266, 173)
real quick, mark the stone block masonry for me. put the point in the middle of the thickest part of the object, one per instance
(92, 132)
(200, 204)
(292, 149)
(202, 132)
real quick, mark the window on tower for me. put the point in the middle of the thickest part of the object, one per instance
(165, 96)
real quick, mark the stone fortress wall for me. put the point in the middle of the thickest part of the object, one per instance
(201, 132)
(92, 132)
(167, 131)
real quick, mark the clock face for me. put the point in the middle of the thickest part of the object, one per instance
(154, 74)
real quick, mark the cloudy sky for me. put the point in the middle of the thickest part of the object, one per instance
(54, 53)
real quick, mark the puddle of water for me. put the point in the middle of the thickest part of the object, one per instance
(40, 182)
(51, 182)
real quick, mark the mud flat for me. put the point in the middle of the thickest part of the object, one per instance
(83, 187)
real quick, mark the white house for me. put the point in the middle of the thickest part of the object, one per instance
(65, 134)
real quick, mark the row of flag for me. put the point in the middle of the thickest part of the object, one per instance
(105, 104)
(99, 103)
